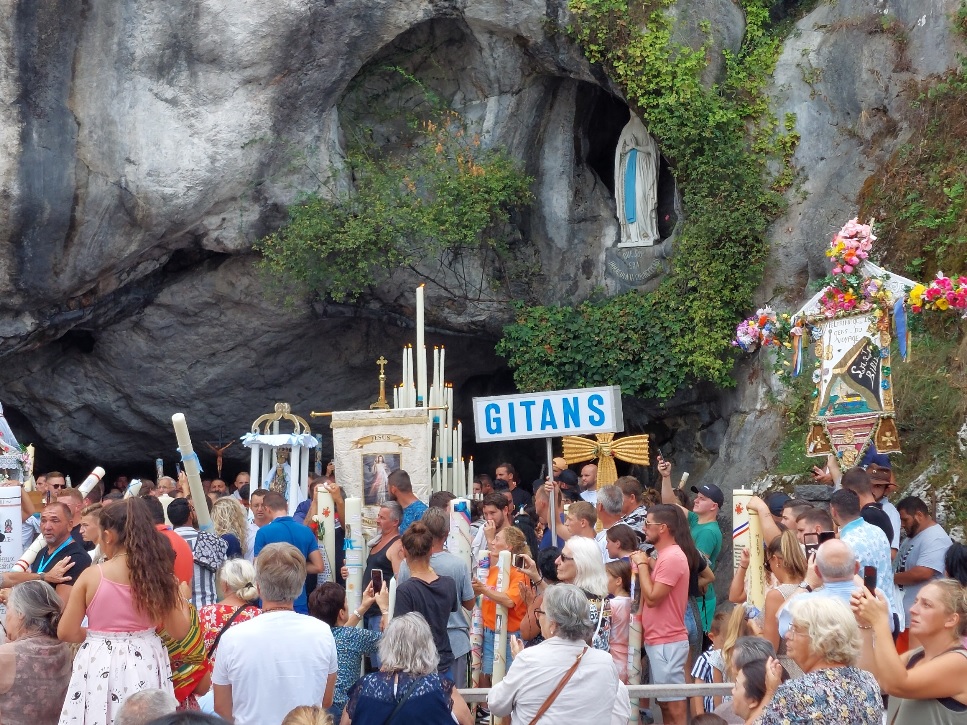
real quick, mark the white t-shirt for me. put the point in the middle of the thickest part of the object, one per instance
(275, 662)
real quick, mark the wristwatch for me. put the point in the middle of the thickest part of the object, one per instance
(805, 585)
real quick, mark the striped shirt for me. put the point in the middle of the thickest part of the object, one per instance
(203, 580)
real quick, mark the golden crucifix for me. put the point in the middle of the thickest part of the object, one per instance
(381, 404)
(631, 449)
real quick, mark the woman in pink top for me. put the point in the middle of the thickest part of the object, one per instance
(125, 600)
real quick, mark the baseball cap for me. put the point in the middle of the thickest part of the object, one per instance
(569, 484)
(710, 490)
(776, 501)
(559, 463)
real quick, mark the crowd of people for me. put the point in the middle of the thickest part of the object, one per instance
(132, 614)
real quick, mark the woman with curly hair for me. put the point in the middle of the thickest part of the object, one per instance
(125, 599)
(228, 518)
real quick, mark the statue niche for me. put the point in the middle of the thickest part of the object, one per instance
(646, 202)
(636, 185)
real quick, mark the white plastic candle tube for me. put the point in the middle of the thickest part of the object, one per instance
(190, 461)
(88, 484)
(24, 562)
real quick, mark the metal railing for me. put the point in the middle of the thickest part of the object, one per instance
(479, 694)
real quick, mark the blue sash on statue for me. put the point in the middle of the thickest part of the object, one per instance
(631, 197)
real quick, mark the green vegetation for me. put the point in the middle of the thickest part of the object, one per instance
(439, 191)
(719, 141)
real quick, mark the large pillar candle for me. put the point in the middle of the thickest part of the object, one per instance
(159, 468)
(134, 488)
(740, 524)
(421, 391)
(192, 470)
(392, 597)
(459, 541)
(476, 623)
(295, 493)
(500, 624)
(757, 574)
(355, 551)
(325, 517)
(88, 484)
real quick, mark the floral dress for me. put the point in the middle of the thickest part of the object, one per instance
(214, 616)
(842, 695)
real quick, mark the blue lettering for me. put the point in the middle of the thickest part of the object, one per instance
(572, 414)
(527, 405)
(594, 405)
(492, 415)
(547, 416)
(511, 418)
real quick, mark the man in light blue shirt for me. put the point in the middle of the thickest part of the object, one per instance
(869, 544)
(834, 575)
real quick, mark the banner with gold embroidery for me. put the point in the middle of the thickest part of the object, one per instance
(853, 399)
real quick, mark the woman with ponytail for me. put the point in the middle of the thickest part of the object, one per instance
(126, 600)
(236, 583)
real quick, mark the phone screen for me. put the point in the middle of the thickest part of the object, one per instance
(825, 536)
(811, 543)
(519, 561)
(377, 581)
(869, 578)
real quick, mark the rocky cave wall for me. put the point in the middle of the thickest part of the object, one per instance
(149, 145)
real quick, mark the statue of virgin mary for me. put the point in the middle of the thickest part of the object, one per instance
(636, 185)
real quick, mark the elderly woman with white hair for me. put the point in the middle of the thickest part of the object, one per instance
(580, 564)
(561, 679)
(236, 585)
(824, 640)
(35, 667)
(407, 688)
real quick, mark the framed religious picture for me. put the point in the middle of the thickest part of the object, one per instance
(376, 470)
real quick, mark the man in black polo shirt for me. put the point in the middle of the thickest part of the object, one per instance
(62, 561)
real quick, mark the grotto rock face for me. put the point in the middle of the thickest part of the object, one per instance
(150, 144)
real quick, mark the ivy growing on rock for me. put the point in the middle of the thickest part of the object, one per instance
(720, 141)
(443, 192)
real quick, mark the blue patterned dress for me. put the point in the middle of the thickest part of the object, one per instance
(373, 699)
(842, 695)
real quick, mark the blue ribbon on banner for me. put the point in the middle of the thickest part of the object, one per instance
(192, 457)
(900, 322)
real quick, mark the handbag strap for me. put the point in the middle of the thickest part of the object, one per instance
(225, 627)
(399, 704)
(560, 686)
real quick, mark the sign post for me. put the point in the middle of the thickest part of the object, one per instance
(548, 415)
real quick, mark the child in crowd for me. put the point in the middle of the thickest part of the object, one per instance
(619, 586)
(710, 667)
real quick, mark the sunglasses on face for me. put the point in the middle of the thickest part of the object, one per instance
(54, 485)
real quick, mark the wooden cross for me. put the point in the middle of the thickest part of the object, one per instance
(631, 449)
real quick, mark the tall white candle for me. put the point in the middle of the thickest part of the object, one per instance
(434, 389)
(470, 478)
(295, 492)
(458, 461)
(476, 623)
(500, 629)
(405, 362)
(459, 541)
(392, 597)
(396, 397)
(450, 406)
(421, 392)
(410, 386)
(88, 484)
(443, 374)
(355, 551)
(253, 468)
(325, 509)
(190, 461)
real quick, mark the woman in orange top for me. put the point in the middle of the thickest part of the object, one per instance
(513, 540)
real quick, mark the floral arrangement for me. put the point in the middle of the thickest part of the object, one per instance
(765, 328)
(850, 247)
(943, 293)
